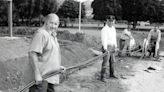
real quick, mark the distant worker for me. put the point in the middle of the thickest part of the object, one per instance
(152, 42)
(44, 55)
(109, 42)
(126, 42)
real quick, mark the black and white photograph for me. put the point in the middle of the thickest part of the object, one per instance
(81, 45)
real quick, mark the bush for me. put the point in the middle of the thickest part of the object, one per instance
(4, 30)
(66, 35)
(25, 31)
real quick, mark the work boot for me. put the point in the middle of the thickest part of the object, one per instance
(104, 80)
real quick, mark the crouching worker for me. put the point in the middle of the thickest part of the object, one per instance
(44, 55)
(151, 44)
(126, 42)
(108, 38)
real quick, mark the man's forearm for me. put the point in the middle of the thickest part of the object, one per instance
(34, 62)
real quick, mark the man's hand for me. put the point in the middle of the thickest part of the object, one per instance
(38, 79)
(111, 49)
(62, 69)
(116, 49)
(33, 57)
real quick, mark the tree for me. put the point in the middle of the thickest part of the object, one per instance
(155, 12)
(26, 10)
(49, 6)
(3, 13)
(132, 10)
(70, 8)
(142, 10)
(102, 8)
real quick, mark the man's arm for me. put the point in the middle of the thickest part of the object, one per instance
(159, 36)
(115, 38)
(127, 33)
(33, 58)
(149, 36)
(36, 48)
(104, 38)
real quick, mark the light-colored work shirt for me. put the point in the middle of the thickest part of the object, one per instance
(108, 37)
(126, 35)
(49, 53)
(156, 36)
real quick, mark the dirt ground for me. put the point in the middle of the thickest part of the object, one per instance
(15, 71)
(133, 77)
(146, 80)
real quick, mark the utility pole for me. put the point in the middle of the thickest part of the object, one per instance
(80, 2)
(80, 17)
(10, 23)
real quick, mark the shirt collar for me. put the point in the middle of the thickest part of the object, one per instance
(108, 26)
(54, 34)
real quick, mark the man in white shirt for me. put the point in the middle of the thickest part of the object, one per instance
(153, 40)
(45, 56)
(127, 41)
(109, 42)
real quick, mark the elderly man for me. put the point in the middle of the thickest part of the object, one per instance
(109, 42)
(152, 42)
(44, 55)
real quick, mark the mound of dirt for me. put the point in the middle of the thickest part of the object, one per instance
(15, 69)
(88, 40)
(13, 48)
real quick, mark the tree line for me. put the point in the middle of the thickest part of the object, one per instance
(29, 12)
(130, 10)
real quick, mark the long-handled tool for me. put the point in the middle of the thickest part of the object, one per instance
(44, 77)
(77, 67)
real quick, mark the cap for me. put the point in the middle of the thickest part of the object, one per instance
(110, 17)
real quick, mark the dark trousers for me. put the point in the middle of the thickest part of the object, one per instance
(105, 66)
(151, 48)
(42, 87)
(121, 44)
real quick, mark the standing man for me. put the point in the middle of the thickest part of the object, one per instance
(154, 38)
(109, 42)
(44, 55)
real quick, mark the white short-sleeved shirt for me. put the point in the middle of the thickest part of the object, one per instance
(126, 35)
(108, 37)
(49, 53)
(154, 35)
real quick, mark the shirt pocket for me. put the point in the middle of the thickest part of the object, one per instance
(48, 46)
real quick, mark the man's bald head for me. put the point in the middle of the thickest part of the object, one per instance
(52, 16)
(51, 22)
